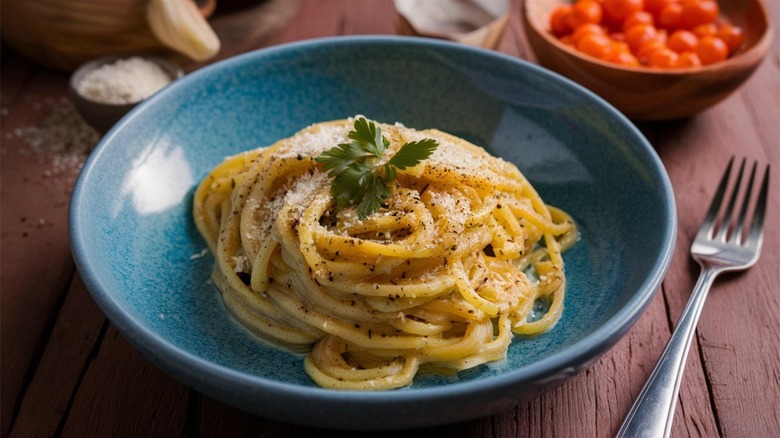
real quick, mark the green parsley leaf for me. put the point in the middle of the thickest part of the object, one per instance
(346, 188)
(369, 137)
(357, 178)
(412, 153)
(337, 159)
(375, 193)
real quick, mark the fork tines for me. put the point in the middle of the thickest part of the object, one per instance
(726, 228)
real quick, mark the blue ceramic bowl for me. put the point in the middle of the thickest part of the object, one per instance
(146, 266)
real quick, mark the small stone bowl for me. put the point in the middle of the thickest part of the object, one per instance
(102, 116)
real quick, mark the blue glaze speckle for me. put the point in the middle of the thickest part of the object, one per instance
(142, 259)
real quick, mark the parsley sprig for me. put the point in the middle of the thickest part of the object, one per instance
(359, 176)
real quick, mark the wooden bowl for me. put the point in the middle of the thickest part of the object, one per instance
(642, 93)
(64, 34)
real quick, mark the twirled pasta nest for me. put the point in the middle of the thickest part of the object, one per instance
(438, 280)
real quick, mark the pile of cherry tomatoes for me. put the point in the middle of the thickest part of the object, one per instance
(663, 34)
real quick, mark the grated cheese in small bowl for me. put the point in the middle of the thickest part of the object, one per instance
(124, 81)
(105, 89)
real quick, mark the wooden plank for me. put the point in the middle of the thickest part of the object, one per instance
(37, 172)
(276, 429)
(565, 410)
(316, 18)
(377, 17)
(123, 394)
(732, 316)
(623, 371)
(693, 414)
(16, 73)
(62, 364)
(219, 420)
(742, 358)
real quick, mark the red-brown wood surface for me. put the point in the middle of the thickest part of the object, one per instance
(66, 370)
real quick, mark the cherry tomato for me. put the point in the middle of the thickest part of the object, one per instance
(621, 58)
(618, 10)
(670, 16)
(640, 34)
(663, 58)
(618, 36)
(696, 12)
(731, 35)
(594, 45)
(647, 49)
(584, 12)
(620, 47)
(705, 29)
(682, 41)
(687, 60)
(586, 29)
(711, 49)
(559, 20)
(655, 6)
(663, 35)
(638, 17)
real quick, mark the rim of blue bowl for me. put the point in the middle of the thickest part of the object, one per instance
(170, 357)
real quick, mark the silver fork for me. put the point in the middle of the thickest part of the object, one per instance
(721, 245)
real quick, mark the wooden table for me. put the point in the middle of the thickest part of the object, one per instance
(66, 370)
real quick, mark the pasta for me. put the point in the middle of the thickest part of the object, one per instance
(460, 257)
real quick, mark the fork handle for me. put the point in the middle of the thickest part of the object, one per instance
(652, 412)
